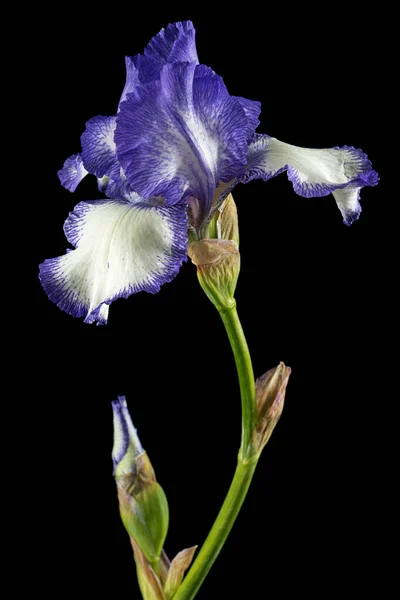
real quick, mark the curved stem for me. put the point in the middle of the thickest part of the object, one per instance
(244, 368)
(247, 462)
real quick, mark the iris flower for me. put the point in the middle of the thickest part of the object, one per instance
(177, 145)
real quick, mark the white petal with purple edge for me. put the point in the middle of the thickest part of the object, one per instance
(342, 171)
(122, 247)
(98, 147)
(72, 172)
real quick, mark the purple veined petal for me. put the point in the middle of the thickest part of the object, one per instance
(177, 137)
(98, 147)
(102, 183)
(122, 247)
(252, 109)
(116, 189)
(132, 78)
(313, 172)
(125, 433)
(119, 189)
(175, 43)
(72, 172)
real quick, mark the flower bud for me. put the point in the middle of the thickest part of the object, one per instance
(224, 225)
(142, 502)
(217, 256)
(270, 398)
(218, 266)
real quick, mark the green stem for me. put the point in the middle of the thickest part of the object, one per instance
(247, 462)
(244, 368)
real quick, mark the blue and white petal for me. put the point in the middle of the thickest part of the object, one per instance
(177, 137)
(122, 247)
(342, 171)
(125, 433)
(132, 78)
(72, 172)
(173, 44)
(117, 189)
(98, 147)
(176, 43)
(252, 109)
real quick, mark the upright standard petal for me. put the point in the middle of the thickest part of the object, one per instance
(98, 147)
(174, 43)
(132, 78)
(122, 247)
(72, 172)
(179, 136)
(342, 171)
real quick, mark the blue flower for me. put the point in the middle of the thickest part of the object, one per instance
(178, 144)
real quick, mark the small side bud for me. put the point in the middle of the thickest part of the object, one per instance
(142, 502)
(227, 221)
(270, 398)
(177, 569)
(218, 266)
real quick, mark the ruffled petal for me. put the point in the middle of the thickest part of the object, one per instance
(177, 137)
(173, 44)
(343, 171)
(122, 247)
(72, 172)
(98, 147)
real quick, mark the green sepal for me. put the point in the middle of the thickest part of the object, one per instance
(218, 266)
(146, 517)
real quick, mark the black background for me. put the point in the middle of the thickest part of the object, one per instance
(312, 292)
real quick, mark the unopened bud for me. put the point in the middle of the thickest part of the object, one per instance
(142, 502)
(218, 266)
(270, 398)
(226, 221)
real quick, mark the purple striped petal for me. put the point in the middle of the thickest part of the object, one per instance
(177, 137)
(173, 44)
(98, 147)
(342, 171)
(252, 109)
(72, 172)
(125, 434)
(176, 43)
(132, 78)
(119, 189)
(122, 247)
